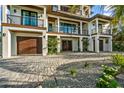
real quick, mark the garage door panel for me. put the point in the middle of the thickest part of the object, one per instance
(29, 45)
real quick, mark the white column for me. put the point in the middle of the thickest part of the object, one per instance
(59, 44)
(97, 44)
(44, 44)
(45, 19)
(104, 45)
(81, 27)
(89, 28)
(59, 7)
(110, 44)
(6, 39)
(81, 44)
(6, 43)
(89, 12)
(97, 29)
(4, 13)
(111, 28)
(82, 6)
(58, 24)
(90, 47)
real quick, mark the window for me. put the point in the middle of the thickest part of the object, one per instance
(29, 18)
(50, 28)
(67, 28)
(54, 8)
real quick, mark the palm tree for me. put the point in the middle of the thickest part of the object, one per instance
(118, 14)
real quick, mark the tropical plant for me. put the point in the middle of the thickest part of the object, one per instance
(86, 65)
(85, 44)
(52, 45)
(107, 80)
(74, 8)
(73, 72)
(111, 70)
(118, 59)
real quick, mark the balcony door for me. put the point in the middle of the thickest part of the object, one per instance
(29, 18)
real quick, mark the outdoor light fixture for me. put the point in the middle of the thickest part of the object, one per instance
(44, 36)
(15, 11)
(4, 34)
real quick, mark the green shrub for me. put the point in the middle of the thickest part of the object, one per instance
(107, 81)
(52, 45)
(85, 44)
(73, 72)
(118, 60)
(110, 70)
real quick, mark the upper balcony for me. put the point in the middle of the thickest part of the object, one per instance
(101, 25)
(25, 21)
(31, 17)
(77, 10)
(68, 30)
(67, 9)
(101, 31)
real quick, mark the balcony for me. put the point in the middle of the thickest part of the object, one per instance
(67, 10)
(25, 21)
(102, 32)
(68, 30)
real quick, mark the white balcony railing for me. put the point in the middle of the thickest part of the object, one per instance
(101, 31)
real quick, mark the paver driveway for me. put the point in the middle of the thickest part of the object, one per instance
(52, 71)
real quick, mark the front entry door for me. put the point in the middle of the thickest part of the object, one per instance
(101, 45)
(66, 45)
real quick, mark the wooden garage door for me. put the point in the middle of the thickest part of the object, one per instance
(29, 45)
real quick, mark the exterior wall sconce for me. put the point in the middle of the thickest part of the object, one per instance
(4, 34)
(15, 11)
(58, 39)
(44, 36)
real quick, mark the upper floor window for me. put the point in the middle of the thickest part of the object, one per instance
(54, 8)
(29, 18)
(67, 28)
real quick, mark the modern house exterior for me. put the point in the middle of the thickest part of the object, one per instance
(26, 29)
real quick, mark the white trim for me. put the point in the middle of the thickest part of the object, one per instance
(66, 35)
(49, 15)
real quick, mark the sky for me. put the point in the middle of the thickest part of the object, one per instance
(98, 10)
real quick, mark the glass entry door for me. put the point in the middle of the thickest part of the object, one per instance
(66, 45)
(29, 18)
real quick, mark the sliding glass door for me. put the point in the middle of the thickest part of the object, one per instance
(29, 18)
(67, 28)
